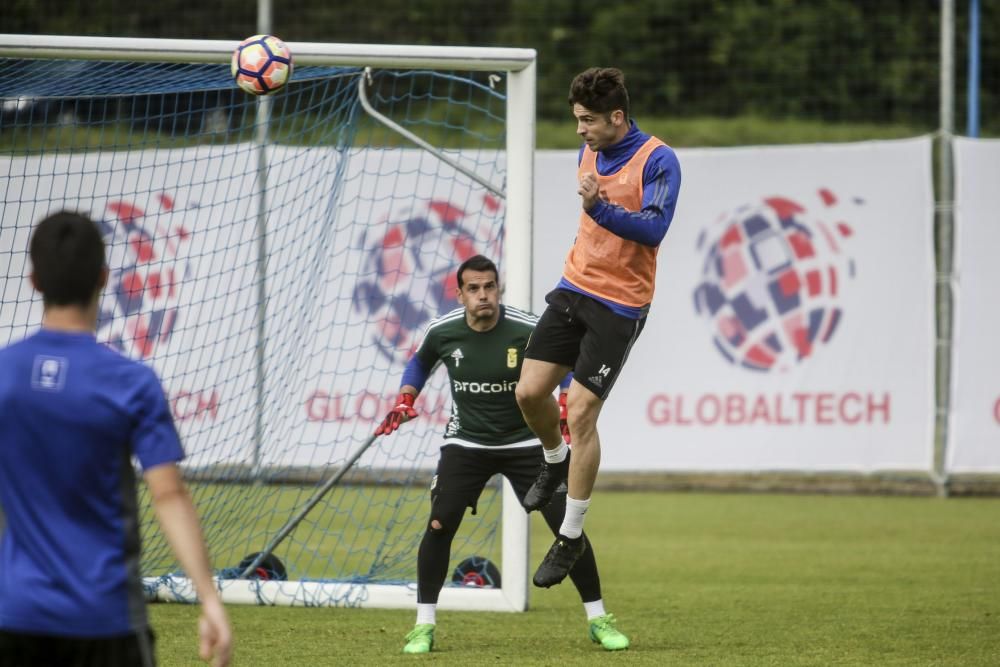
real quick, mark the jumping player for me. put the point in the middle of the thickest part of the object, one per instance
(628, 186)
(73, 413)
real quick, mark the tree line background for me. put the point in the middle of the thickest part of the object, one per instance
(832, 61)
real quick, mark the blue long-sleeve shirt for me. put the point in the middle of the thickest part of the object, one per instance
(661, 183)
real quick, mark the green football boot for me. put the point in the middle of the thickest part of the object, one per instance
(421, 638)
(604, 632)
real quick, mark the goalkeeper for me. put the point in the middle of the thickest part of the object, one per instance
(482, 346)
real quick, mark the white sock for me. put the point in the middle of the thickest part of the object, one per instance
(572, 525)
(426, 613)
(557, 455)
(594, 609)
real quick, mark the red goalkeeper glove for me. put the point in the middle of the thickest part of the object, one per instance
(563, 424)
(403, 412)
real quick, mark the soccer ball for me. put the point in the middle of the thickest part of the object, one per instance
(262, 64)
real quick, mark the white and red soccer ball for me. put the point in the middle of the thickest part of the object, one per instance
(262, 64)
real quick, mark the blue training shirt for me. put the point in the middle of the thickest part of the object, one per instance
(72, 414)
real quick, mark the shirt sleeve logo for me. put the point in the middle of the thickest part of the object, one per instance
(49, 373)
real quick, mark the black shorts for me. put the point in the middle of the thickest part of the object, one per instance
(584, 334)
(462, 472)
(19, 649)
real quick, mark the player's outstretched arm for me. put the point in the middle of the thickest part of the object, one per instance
(401, 413)
(179, 521)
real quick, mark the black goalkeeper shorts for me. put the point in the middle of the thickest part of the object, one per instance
(462, 472)
(19, 649)
(584, 334)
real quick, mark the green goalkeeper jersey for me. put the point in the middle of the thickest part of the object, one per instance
(483, 369)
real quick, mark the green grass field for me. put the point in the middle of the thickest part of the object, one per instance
(699, 579)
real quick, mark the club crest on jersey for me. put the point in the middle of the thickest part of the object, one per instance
(511, 357)
(457, 356)
(49, 373)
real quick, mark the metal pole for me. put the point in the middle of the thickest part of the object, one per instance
(972, 124)
(517, 249)
(944, 232)
(366, 104)
(139, 49)
(264, 17)
(262, 120)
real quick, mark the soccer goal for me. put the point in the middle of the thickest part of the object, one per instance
(275, 260)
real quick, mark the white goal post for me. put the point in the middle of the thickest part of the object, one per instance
(520, 68)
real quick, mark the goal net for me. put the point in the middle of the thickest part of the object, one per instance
(276, 260)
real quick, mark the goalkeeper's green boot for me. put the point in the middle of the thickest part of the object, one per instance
(604, 632)
(420, 639)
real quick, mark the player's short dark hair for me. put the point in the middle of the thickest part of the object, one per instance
(67, 257)
(477, 263)
(600, 89)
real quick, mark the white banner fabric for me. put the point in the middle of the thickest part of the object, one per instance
(974, 425)
(793, 322)
(179, 226)
(792, 326)
(181, 229)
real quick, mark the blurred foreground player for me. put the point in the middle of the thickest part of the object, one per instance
(73, 413)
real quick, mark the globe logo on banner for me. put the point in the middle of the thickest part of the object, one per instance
(772, 280)
(139, 307)
(408, 273)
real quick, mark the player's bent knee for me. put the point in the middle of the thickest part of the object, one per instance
(437, 530)
(522, 395)
(583, 410)
(446, 515)
(580, 424)
(582, 401)
(530, 397)
(437, 525)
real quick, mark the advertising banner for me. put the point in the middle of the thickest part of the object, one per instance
(793, 322)
(974, 425)
(360, 247)
(179, 228)
(792, 326)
